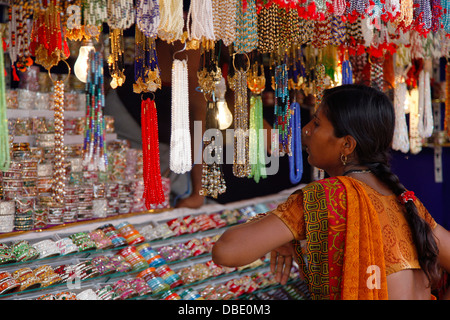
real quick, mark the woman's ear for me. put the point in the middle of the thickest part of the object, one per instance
(349, 145)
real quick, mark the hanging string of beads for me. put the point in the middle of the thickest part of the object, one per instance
(180, 138)
(59, 172)
(224, 21)
(147, 17)
(48, 45)
(295, 157)
(282, 111)
(94, 147)
(213, 182)
(153, 190)
(172, 21)
(146, 66)
(5, 156)
(447, 98)
(246, 26)
(19, 13)
(200, 20)
(241, 163)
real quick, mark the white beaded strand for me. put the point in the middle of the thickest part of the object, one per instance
(180, 140)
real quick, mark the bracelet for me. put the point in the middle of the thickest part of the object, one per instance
(47, 248)
(7, 283)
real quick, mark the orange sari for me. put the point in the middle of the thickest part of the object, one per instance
(343, 257)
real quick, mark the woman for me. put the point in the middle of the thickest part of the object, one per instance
(358, 234)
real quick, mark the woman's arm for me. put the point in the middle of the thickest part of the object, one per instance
(443, 242)
(245, 243)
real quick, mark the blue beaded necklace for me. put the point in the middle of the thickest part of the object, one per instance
(295, 157)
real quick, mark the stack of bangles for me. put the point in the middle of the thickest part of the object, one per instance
(47, 275)
(24, 251)
(47, 248)
(131, 235)
(116, 238)
(27, 279)
(6, 255)
(83, 241)
(7, 283)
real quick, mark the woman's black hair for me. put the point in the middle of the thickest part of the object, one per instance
(368, 116)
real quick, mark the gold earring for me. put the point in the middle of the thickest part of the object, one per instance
(344, 159)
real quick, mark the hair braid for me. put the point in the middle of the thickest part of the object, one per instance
(425, 243)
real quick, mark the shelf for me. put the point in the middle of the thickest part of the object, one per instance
(68, 138)
(21, 113)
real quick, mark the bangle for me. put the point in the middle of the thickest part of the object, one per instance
(88, 294)
(47, 248)
(7, 283)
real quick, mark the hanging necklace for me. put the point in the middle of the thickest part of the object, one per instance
(246, 26)
(241, 164)
(48, 45)
(146, 68)
(400, 139)
(213, 182)
(59, 171)
(94, 149)
(153, 190)
(180, 138)
(5, 157)
(282, 110)
(256, 84)
(296, 158)
(172, 21)
(447, 98)
(224, 21)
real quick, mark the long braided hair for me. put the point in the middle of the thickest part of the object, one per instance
(368, 116)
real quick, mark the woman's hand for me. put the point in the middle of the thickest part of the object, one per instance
(281, 262)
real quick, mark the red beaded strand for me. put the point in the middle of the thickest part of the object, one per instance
(153, 190)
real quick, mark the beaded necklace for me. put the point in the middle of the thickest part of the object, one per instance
(95, 12)
(172, 20)
(180, 138)
(425, 107)
(19, 14)
(5, 157)
(445, 18)
(376, 73)
(282, 110)
(267, 29)
(146, 67)
(224, 21)
(59, 172)
(94, 148)
(213, 182)
(241, 164)
(400, 139)
(256, 83)
(153, 190)
(148, 17)
(116, 63)
(48, 45)
(347, 75)
(319, 84)
(296, 158)
(414, 137)
(120, 14)
(200, 20)
(73, 20)
(246, 26)
(447, 99)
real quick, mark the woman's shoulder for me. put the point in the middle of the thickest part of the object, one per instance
(330, 182)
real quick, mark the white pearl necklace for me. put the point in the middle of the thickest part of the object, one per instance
(180, 139)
